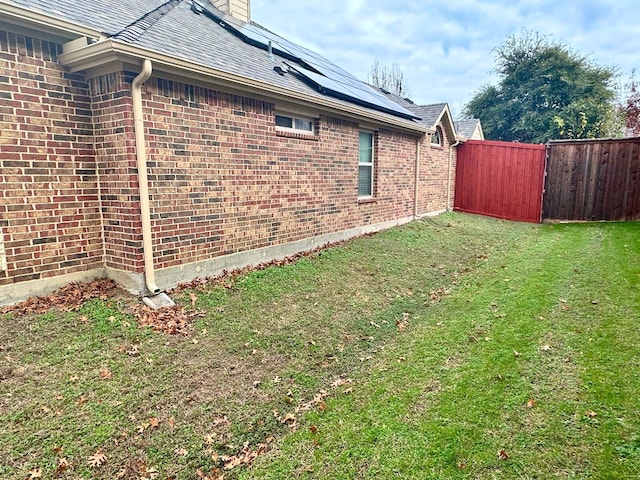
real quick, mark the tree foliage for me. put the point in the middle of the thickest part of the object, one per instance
(545, 91)
(390, 78)
(630, 107)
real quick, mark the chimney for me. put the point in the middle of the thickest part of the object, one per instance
(240, 9)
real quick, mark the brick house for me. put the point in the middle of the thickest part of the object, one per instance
(155, 141)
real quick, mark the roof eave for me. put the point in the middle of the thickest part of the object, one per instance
(103, 52)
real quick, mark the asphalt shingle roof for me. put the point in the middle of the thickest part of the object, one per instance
(109, 17)
(466, 127)
(429, 114)
(174, 28)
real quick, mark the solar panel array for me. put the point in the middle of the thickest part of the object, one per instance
(327, 77)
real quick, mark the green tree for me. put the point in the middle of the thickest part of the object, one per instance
(545, 91)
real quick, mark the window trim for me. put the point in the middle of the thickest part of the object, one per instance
(293, 129)
(370, 164)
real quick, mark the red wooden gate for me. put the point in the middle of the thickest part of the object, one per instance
(500, 179)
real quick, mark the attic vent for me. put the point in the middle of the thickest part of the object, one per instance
(408, 100)
(386, 92)
(3, 257)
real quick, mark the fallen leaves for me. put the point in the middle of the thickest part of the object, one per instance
(68, 298)
(590, 414)
(403, 323)
(152, 422)
(35, 473)
(503, 455)
(139, 470)
(175, 320)
(105, 374)
(530, 403)
(97, 459)
(63, 465)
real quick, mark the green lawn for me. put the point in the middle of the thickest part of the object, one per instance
(452, 347)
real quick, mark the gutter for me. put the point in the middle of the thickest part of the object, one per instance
(143, 182)
(110, 50)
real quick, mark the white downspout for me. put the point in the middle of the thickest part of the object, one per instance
(417, 180)
(448, 201)
(143, 183)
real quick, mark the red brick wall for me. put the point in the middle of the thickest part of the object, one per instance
(223, 180)
(434, 171)
(49, 214)
(116, 159)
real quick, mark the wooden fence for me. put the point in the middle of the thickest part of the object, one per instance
(500, 179)
(593, 180)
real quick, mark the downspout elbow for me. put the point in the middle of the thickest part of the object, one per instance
(143, 182)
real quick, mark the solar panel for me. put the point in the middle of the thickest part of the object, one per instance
(360, 93)
(327, 77)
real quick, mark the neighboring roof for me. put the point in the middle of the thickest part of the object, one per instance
(469, 128)
(430, 115)
(188, 30)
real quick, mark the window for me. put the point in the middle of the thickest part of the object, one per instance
(436, 138)
(296, 124)
(365, 165)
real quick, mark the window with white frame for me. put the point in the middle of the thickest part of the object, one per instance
(294, 123)
(365, 165)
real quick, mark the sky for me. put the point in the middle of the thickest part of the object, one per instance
(445, 49)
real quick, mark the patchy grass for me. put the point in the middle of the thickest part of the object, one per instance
(420, 352)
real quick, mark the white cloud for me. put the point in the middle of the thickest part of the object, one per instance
(445, 49)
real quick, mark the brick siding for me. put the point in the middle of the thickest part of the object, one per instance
(222, 179)
(433, 174)
(49, 215)
(115, 153)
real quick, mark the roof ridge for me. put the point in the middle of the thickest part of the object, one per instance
(138, 27)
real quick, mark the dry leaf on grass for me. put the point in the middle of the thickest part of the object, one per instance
(35, 473)
(502, 454)
(181, 452)
(105, 374)
(97, 459)
(530, 403)
(175, 320)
